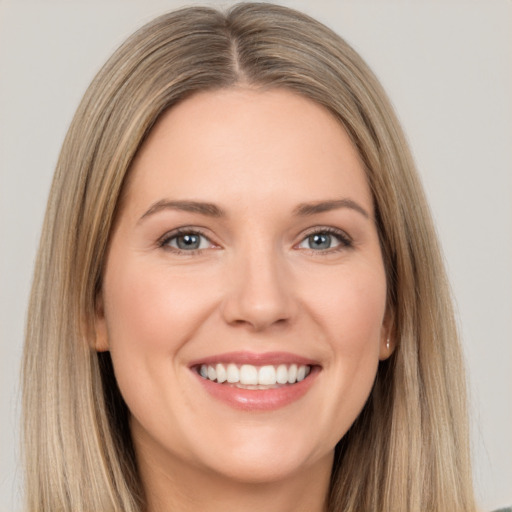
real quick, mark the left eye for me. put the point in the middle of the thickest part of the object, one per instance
(187, 242)
(322, 241)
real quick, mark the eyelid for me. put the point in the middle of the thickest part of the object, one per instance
(163, 241)
(346, 242)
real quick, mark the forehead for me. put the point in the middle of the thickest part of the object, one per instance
(249, 144)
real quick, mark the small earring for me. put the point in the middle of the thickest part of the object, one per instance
(387, 344)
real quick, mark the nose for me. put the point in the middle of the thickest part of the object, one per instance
(260, 292)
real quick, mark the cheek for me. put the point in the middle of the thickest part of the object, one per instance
(151, 313)
(357, 328)
(351, 311)
(351, 307)
(151, 308)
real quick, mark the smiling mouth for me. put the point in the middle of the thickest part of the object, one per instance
(248, 376)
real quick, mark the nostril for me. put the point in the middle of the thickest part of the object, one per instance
(258, 315)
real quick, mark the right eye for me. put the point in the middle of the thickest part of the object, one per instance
(186, 241)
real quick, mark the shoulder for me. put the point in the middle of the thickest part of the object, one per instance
(507, 509)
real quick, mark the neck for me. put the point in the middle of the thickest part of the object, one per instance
(184, 488)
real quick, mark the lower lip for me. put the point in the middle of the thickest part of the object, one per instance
(259, 399)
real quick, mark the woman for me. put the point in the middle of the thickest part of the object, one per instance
(254, 309)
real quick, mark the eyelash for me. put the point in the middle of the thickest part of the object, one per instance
(165, 240)
(345, 241)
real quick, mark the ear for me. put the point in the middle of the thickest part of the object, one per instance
(388, 336)
(100, 341)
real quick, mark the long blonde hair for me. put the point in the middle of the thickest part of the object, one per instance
(408, 449)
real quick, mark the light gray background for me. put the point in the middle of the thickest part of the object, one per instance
(448, 68)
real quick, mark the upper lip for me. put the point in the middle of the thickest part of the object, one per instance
(255, 359)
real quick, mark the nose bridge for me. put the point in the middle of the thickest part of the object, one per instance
(261, 291)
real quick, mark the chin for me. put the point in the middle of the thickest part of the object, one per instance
(263, 469)
(261, 459)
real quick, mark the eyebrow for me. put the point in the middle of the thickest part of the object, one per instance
(212, 210)
(209, 209)
(306, 209)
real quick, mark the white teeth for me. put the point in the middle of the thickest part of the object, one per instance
(233, 375)
(282, 374)
(212, 374)
(267, 375)
(292, 374)
(221, 373)
(250, 375)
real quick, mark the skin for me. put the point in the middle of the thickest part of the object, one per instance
(256, 284)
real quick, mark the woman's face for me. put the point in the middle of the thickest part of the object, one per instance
(245, 252)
